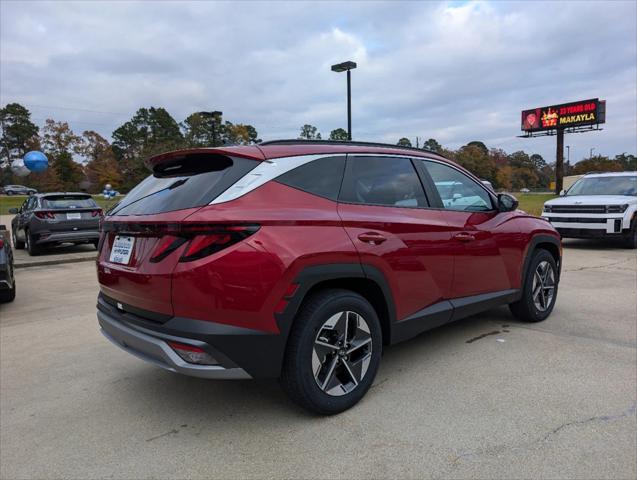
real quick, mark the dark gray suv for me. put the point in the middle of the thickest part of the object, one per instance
(54, 218)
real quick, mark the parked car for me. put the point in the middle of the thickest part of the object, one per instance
(7, 278)
(18, 190)
(48, 219)
(302, 260)
(598, 205)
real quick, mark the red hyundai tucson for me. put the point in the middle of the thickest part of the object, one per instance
(302, 260)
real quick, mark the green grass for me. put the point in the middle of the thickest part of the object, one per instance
(14, 201)
(529, 202)
(533, 202)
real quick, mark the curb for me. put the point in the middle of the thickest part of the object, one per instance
(41, 263)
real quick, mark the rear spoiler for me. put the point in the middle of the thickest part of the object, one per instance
(247, 151)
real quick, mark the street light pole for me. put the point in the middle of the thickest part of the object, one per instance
(568, 154)
(347, 67)
(591, 153)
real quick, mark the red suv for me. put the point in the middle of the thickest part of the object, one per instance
(302, 260)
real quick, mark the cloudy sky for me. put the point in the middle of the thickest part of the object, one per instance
(454, 71)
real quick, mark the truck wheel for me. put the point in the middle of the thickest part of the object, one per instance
(333, 352)
(631, 238)
(539, 290)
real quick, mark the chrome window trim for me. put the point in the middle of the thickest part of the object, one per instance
(267, 170)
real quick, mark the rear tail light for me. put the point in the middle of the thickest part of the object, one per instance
(167, 245)
(1, 243)
(96, 213)
(44, 215)
(192, 354)
(201, 240)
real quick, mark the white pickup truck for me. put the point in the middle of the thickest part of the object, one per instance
(598, 205)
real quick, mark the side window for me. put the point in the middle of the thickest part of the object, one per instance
(321, 177)
(32, 203)
(456, 190)
(24, 206)
(387, 181)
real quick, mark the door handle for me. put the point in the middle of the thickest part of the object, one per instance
(464, 237)
(371, 237)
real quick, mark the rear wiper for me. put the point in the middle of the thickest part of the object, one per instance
(176, 184)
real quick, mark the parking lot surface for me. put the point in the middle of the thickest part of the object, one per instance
(487, 397)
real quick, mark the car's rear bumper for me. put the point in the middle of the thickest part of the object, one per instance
(241, 353)
(67, 237)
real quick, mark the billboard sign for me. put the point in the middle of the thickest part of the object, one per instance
(565, 115)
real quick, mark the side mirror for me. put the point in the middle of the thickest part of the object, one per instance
(562, 193)
(13, 210)
(507, 203)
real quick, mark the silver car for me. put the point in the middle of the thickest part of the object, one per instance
(48, 219)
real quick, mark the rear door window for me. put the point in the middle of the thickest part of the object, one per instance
(186, 182)
(322, 177)
(386, 181)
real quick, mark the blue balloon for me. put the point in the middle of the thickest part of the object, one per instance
(36, 161)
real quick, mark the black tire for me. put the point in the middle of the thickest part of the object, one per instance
(527, 308)
(7, 296)
(298, 377)
(631, 239)
(32, 248)
(18, 244)
(9, 193)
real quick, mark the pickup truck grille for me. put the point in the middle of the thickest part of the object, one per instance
(576, 220)
(578, 209)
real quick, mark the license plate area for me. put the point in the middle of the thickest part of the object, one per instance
(74, 216)
(122, 249)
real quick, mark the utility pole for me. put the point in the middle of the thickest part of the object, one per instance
(559, 161)
(590, 156)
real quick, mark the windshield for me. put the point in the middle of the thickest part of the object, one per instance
(620, 185)
(63, 202)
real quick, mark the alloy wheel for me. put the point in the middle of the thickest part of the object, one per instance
(543, 286)
(342, 353)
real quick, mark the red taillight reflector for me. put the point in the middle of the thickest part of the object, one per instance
(281, 306)
(44, 215)
(192, 354)
(95, 213)
(1, 243)
(291, 290)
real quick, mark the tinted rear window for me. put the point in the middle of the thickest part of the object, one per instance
(186, 182)
(321, 177)
(62, 202)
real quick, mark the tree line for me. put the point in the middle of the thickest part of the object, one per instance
(89, 161)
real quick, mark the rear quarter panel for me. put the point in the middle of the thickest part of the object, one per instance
(242, 285)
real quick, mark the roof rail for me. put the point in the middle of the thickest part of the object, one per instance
(343, 142)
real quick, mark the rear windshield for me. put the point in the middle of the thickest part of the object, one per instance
(68, 201)
(186, 182)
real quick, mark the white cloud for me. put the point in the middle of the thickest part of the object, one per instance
(453, 71)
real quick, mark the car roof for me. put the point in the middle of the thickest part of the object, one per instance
(291, 148)
(611, 174)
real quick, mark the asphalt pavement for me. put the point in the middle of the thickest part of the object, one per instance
(487, 397)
